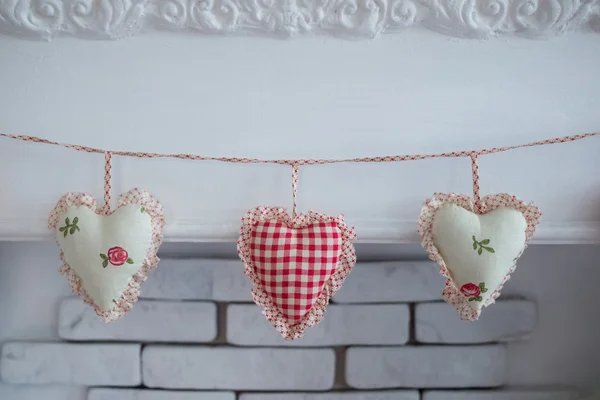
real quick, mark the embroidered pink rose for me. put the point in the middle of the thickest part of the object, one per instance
(470, 290)
(473, 291)
(117, 256)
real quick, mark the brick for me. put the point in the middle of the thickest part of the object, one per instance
(194, 279)
(389, 282)
(79, 364)
(134, 394)
(148, 321)
(499, 395)
(41, 392)
(173, 367)
(426, 367)
(387, 395)
(342, 325)
(503, 321)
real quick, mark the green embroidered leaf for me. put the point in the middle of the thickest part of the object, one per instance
(490, 249)
(75, 220)
(474, 245)
(72, 231)
(483, 290)
(76, 227)
(478, 298)
(67, 221)
(486, 241)
(480, 251)
(129, 261)
(103, 256)
(105, 263)
(142, 209)
(482, 285)
(66, 232)
(475, 240)
(471, 298)
(62, 228)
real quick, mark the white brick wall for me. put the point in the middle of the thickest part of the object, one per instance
(149, 321)
(80, 364)
(387, 395)
(506, 320)
(392, 282)
(426, 367)
(131, 394)
(173, 367)
(342, 325)
(195, 349)
(198, 279)
(500, 395)
(41, 392)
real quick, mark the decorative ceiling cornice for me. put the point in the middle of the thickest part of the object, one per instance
(351, 19)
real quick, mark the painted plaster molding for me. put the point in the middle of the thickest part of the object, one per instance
(350, 19)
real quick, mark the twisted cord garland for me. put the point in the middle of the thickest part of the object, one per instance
(298, 162)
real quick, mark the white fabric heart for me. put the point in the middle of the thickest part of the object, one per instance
(477, 252)
(106, 257)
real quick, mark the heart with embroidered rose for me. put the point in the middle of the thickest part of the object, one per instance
(106, 255)
(476, 245)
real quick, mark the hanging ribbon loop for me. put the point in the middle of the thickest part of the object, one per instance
(107, 183)
(476, 188)
(294, 187)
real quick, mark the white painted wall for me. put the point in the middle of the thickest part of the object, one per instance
(413, 92)
(564, 349)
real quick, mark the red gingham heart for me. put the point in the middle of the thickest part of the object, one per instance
(295, 264)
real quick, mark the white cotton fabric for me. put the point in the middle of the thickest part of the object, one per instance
(128, 227)
(453, 231)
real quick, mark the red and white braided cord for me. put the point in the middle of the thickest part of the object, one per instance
(473, 154)
(294, 188)
(406, 157)
(476, 187)
(107, 186)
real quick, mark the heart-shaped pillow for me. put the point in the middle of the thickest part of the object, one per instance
(476, 250)
(296, 264)
(106, 257)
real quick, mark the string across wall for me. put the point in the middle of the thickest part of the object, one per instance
(298, 162)
(296, 262)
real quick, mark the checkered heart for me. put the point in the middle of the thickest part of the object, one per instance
(296, 264)
(106, 257)
(477, 248)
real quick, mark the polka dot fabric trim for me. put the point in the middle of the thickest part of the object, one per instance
(132, 293)
(271, 311)
(451, 294)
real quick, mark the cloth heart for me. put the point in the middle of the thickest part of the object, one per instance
(296, 264)
(477, 251)
(106, 258)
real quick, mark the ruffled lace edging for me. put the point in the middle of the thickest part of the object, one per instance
(335, 281)
(132, 293)
(451, 294)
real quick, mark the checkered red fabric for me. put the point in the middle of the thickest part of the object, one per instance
(294, 264)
